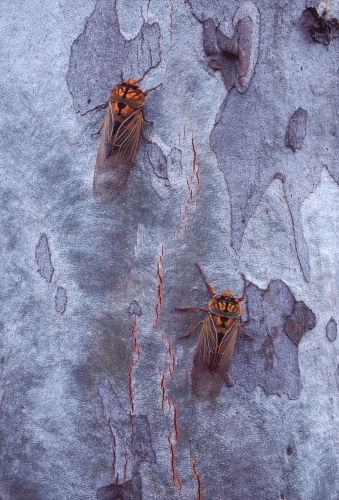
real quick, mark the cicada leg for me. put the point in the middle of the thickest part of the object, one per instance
(191, 330)
(245, 333)
(209, 288)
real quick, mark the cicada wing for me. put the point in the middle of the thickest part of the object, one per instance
(206, 346)
(116, 153)
(225, 355)
(212, 359)
(105, 139)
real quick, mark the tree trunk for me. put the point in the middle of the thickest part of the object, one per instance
(241, 177)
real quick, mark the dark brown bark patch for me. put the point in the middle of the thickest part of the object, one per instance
(296, 130)
(43, 258)
(271, 359)
(331, 330)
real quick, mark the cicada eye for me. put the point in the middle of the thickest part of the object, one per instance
(133, 82)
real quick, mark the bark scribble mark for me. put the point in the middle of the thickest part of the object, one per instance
(172, 438)
(170, 358)
(195, 164)
(296, 130)
(134, 357)
(43, 258)
(196, 474)
(162, 390)
(331, 330)
(171, 22)
(61, 300)
(160, 279)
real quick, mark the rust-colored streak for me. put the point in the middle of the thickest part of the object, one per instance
(126, 464)
(114, 453)
(162, 390)
(173, 437)
(171, 358)
(160, 279)
(136, 349)
(193, 461)
(171, 22)
(195, 165)
(190, 193)
(134, 357)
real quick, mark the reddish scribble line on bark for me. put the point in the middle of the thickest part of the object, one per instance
(187, 204)
(193, 461)
(171, 22)
(171, 358)
(172, 438)
(195, 164)
(160, 278)
(162, 390)
(190, 193)
(126, 464)
(134, 357)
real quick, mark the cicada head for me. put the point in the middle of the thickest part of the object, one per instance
(131, 83)
(225, 305)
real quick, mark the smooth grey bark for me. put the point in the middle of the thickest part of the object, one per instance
(241, 176)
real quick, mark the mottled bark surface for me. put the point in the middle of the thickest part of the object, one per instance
(241, 176)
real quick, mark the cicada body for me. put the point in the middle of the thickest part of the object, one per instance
(214, 350)
(120, 133)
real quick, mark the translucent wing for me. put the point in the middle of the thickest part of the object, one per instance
(212, 357)
(117, 149)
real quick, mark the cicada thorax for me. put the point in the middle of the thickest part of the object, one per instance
(126, 97)
(225, 311)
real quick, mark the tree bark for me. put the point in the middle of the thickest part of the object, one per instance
(241, 177)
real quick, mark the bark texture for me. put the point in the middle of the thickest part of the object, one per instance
(241, 176)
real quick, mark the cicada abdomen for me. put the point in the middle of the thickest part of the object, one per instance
(214, 351)
(120, 133)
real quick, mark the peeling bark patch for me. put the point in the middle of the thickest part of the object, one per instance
(271, 359)
(321, 28)
(129, 490)
(234, 50)
(141, 445)
(101, 52)
(43, 258)
(301, 320)
(61, 300)
(135, 308)
(296, 130)
(131, 441)
(331, 330)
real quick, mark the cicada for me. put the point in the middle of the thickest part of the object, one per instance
(120, 133)
(218, 334)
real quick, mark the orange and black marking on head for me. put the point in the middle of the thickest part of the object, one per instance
(225, 305)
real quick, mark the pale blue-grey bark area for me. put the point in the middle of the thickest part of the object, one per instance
(95, 390)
